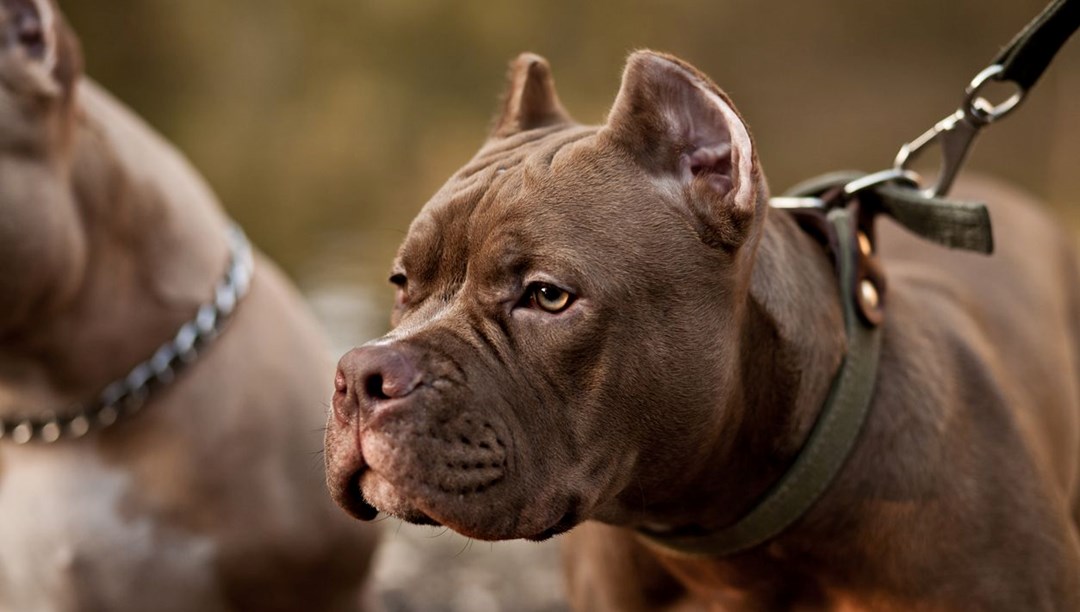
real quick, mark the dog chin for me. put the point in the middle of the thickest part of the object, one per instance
(460, 515)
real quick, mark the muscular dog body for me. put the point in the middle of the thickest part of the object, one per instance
(210, 499)
(607, 328)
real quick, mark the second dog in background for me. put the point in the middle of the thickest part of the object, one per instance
(211, 497)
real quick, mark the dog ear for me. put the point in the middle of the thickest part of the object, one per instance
(530, 100)
(39, 53)
(676, 123)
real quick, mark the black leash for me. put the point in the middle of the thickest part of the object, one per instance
(1025, 59)
(839, 210)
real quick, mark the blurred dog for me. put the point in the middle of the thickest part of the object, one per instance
(109, 243)
(607, 327)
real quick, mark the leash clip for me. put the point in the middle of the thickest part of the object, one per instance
(907, 178)
(956, 133)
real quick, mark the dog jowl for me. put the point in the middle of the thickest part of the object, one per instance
(605, 328)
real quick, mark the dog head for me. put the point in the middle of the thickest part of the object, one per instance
(40, 236)
(556, 334)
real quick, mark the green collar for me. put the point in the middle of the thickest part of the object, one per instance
(839, 210)
(830, 441)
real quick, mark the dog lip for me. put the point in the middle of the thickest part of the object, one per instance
(404, 508)
(565, 523)
(388, 409)
(469, 527)
(346, 467)
(351, 498)
(421, 518)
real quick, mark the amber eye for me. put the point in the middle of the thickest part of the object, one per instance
(550, 298)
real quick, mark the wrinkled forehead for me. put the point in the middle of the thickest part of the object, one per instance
(567, 202)
(519, 197)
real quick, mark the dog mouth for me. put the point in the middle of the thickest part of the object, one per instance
(468, 516)
(458, 473)
(352, 500)
(345, 469)
(348, 492)
(363, 494)
(366, 493)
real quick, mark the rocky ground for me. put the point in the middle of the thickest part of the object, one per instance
(426, 569)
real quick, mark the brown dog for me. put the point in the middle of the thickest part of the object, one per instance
(608, 328)
(208, 499)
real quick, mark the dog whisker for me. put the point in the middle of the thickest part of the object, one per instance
(468, 542)
(440, 533)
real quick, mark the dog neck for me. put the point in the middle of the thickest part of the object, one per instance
(792, 344)
(155, 244)
(794, 338)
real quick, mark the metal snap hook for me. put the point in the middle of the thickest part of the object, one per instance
(954, 134)
(979, 107)
(893, 175)
(957, 132)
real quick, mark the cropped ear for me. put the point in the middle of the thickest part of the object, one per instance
(39, 53)
(530, 100)
(678, 125)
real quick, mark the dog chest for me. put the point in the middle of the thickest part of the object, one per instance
(68, 543)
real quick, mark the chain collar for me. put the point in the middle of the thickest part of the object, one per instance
(125, 396)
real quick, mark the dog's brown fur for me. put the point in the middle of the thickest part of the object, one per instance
(209, 499)
(685, 377)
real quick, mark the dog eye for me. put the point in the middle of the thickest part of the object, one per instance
(401, 281)
(29, 33)
(549, 298)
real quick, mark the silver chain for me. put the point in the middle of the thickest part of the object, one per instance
(125, 396)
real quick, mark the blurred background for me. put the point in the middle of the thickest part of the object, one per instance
(324, 125)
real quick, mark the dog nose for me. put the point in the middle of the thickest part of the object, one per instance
(369, 375)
